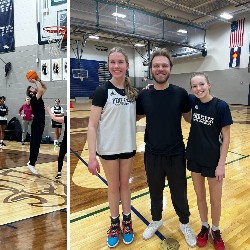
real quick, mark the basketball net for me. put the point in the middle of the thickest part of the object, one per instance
(55, 35)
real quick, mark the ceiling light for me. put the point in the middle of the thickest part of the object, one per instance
(139, 45)
(182, 31)
(94, 37)
(118, 15)
(226, 16)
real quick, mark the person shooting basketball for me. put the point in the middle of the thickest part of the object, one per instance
(36, 93)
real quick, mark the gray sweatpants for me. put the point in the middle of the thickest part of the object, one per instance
(25, 125)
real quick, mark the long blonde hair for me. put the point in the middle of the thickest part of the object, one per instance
(130, 91)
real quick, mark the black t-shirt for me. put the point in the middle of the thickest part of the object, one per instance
(208, 119)
(163, 110)
(38, 110)
(3, 110)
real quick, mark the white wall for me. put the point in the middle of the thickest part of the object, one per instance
(25, 28)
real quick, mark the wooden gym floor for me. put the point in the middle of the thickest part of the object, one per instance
(89, 218)
(33, 208)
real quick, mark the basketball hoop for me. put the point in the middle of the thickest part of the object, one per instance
(80, 74)
(55, 36)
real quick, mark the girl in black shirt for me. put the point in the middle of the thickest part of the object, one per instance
(206, 153)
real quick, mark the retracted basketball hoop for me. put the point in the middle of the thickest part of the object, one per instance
(55, 36)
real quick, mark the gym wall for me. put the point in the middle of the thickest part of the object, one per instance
(28, 55)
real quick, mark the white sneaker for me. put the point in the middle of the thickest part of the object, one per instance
(188, 234)
(32, 169)
(151, 229)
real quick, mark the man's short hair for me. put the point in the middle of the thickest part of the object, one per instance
(161, 52)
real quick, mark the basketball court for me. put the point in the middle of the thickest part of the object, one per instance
(89, 218)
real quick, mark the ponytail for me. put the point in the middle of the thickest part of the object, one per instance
(130, 91)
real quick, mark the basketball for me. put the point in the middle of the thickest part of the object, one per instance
(31, 74)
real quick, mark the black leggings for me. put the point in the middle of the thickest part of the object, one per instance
(174, 168)
(62, 153)
(35, 141)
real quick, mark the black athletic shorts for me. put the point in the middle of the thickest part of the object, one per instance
(118, 156)
(3, 122)
(56, 125)
(204, 171)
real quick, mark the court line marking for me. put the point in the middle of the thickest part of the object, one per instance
(132, 198)
(162, 237)
(139, 215)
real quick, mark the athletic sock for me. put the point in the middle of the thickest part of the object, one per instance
(214, 228)
(126, 217)
(205, 224)
(114, 218)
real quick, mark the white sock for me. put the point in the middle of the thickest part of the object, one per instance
(214, 228)
(205, 224)
(127, 214)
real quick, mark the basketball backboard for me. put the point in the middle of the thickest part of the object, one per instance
(52, 13)
(80, 74)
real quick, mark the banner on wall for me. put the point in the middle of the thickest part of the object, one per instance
(7, 40)
(56, 69)
(235, 57)
(236, 42)
(45, 70)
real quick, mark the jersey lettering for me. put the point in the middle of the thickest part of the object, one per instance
(203, 119)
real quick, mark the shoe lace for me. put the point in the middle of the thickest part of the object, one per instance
(188, 231)
(217, 236)
(114, 230)
(127, 227)
(154, 225)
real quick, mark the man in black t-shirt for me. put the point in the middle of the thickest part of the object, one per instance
(37, 127)
(164, 105)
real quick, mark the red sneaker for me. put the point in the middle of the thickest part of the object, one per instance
(218, 242)
(202, 237)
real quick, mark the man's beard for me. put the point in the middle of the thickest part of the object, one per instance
(33, 93)
(160, 81)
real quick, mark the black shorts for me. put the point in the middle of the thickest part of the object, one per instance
(118, 156)
(197, 168)
(3, 122)
(56, 125)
